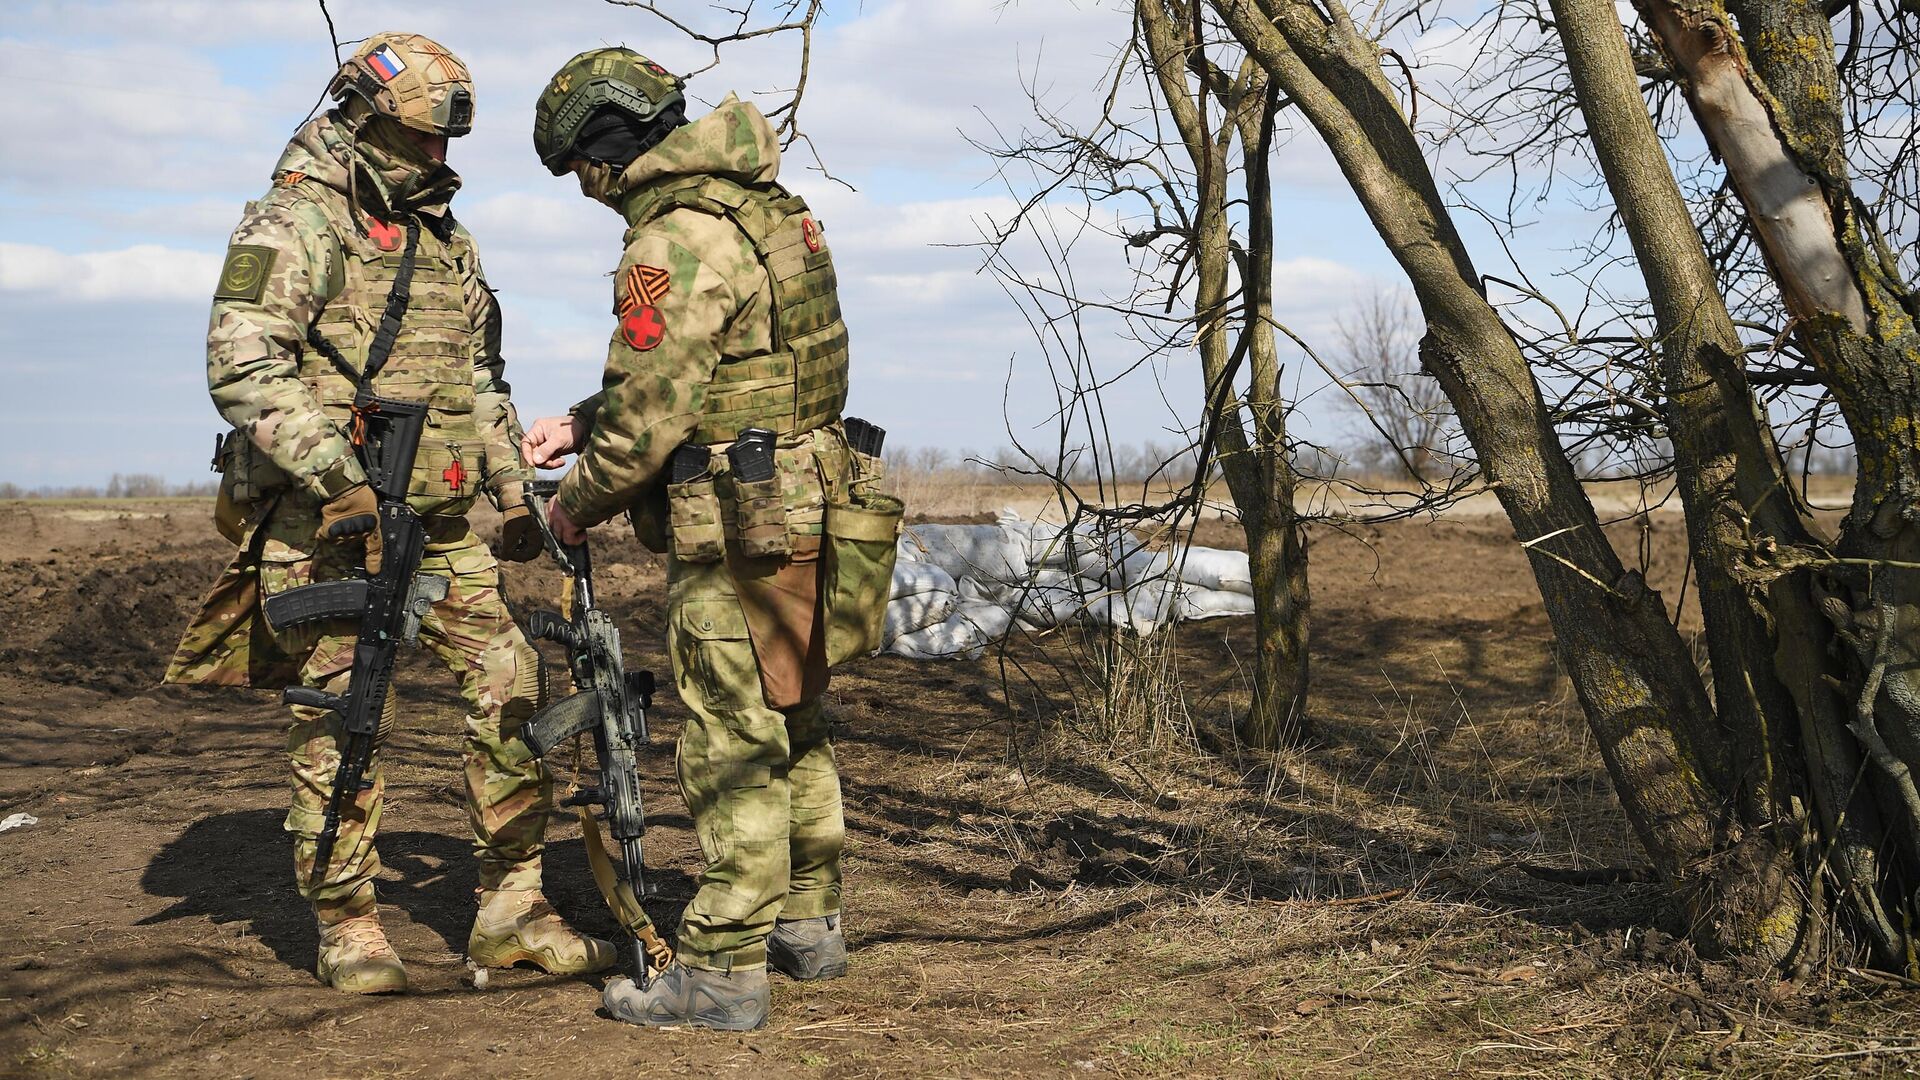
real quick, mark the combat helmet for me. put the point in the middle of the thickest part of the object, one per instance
(412, 79)
(599, 79)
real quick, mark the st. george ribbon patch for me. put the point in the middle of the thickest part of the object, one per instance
(644, 285)
(642, 328)
(244, 275)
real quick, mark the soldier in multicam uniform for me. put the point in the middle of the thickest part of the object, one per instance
(309, 271)
(728, 319)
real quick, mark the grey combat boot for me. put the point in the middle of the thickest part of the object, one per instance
(680, 995)
(808, 948)
(356, 959)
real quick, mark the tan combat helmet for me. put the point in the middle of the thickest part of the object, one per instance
(410, 78)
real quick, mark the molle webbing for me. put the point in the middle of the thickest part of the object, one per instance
(802, 384)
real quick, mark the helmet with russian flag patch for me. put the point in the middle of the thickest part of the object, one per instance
(412, 79)
(597, 81)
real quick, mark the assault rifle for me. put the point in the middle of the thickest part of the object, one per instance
(611, 703)
(389, 605)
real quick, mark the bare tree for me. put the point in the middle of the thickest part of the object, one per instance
(1407, 416)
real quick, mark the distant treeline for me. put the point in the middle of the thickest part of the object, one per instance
(121, 486)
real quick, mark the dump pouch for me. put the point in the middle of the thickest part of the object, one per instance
(862, 535)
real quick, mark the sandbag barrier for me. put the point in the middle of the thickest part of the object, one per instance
(958, 589)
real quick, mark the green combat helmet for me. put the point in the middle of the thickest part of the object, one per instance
(412, 79)
(617, 78)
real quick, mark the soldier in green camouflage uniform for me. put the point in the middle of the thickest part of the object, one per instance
(727, 319)
(311, 266)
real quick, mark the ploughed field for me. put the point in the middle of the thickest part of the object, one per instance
(1439, 882)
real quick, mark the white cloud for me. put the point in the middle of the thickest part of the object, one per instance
(143, 272)
(137, 129)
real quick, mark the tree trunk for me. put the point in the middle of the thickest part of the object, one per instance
(1635, 678)
(1772, 115)
(1733, 489)
(1256, 469)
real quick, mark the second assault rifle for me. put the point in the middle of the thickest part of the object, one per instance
(611, 703)
(388, 605)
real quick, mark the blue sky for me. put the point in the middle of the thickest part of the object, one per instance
(137, 129)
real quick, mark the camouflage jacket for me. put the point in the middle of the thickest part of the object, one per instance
(689, 292)
(287, 262)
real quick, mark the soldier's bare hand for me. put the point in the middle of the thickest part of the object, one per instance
(564, 529)
(551, 439)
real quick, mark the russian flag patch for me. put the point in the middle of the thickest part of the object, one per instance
(385, 63)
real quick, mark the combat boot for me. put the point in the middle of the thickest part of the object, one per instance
(518, 924)
(808, 948)
(355, 957)
(681, 995)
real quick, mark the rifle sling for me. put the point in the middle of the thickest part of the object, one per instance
(398, 298)
(619, 895)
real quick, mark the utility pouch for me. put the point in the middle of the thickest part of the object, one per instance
(693, 509)
(862, 537)
(248, 477)
(803, 489)
(759, 505)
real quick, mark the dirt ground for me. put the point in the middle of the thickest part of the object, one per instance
(1441, 883)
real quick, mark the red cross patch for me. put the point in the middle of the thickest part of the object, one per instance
(642, 327)
(386, 235)
(454, 475)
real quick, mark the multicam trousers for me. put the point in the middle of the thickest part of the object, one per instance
(472, 633)
(761, 783)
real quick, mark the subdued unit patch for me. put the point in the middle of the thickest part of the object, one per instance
(244, 275)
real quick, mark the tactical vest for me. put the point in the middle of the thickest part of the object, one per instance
(802, 384)
(432, 359)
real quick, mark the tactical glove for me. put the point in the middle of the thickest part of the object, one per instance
(351, 515)
(519, 534)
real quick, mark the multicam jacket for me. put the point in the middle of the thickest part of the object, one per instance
(319, 254)
(306, 258)
(711, 338)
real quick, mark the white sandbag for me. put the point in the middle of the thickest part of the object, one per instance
(990, 592)
(1140, 610)
(987, 552)
(1083, 549)
(1216, 568)
(1153, 604)
(1052, 597)
(920, 577)
(965, 635)
(916, 611)
(1138, 567)
(1213, 603)
(905, 550)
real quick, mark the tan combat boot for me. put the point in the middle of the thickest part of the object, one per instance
(356, 959)
(518, 924)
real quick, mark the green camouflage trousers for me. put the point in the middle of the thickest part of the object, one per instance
(760, 783)
(472, 633)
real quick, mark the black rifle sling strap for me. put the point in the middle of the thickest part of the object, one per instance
(398, 298)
